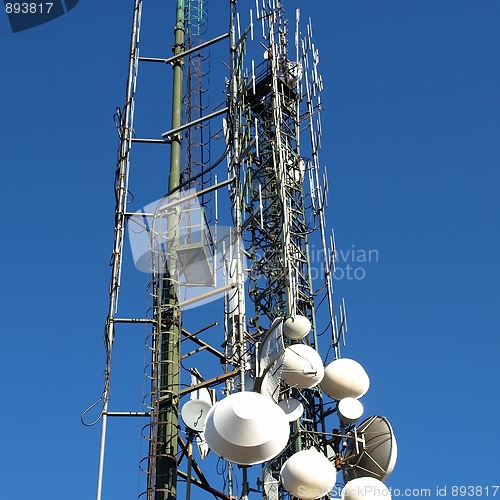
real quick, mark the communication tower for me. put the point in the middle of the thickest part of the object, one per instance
(233, 227)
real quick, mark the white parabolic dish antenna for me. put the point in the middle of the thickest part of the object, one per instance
(296, 327)
(308, 475)
(194, 413)
(302, 366)
(349, 410)
(378, 457)
(246, 428)
(292, 407)
(345, 378)
(366, 488)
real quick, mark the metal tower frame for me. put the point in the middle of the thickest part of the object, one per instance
(277, 196)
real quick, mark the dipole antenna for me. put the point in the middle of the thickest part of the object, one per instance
(124, 123)
(236, 194)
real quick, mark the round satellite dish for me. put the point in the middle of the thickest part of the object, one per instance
(292, 407)
(365, 488)
(194, 413)
(345, 378)
(246, 428)
(308, 475)
(378, 457)
(302, 366)
(349, 410)
(296, 327)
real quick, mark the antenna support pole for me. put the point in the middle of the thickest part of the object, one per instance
(163, 465)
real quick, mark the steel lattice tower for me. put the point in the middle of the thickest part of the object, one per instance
(257, 268)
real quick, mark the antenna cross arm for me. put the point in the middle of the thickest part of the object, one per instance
(206, 383)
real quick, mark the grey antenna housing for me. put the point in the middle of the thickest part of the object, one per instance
(269, 361)
(376, 451)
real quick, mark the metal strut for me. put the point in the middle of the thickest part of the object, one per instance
(126, 129)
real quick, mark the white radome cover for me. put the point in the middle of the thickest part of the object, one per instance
(308, 475)
(350, 410)
(394, 457)
(246, 428)
(302, 366)
(345, 378)
(366, 488)
(296, 327)
(194, 413)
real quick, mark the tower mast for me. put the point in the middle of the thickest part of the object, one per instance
(162, 468)
(237, 233)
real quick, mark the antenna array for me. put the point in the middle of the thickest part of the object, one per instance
(258, 266)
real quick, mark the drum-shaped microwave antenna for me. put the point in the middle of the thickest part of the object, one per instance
(246, 428)
(365, 488)
(194, 413)
(349, 410)
(345, 378)
(302, 366)
(377, 457)
(308, 475)
(296, 327)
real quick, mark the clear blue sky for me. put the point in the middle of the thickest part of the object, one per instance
(411, 139)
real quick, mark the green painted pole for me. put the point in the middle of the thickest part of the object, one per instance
(168, 320)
